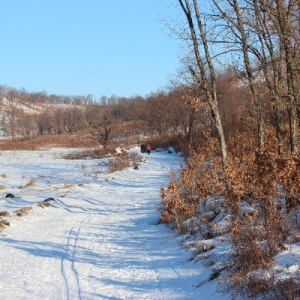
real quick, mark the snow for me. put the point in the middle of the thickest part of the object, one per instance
(27, 107)
(99, 238)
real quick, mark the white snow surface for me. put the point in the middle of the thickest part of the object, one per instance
(100, 237)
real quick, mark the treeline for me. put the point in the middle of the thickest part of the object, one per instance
(25, 114)
(43, 98)
(164, 113)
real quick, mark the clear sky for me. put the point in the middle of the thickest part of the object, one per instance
(80, 47)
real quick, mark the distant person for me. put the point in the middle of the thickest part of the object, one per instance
(148, 149)
(143, 148)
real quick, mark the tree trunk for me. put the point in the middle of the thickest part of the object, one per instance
(205, 82)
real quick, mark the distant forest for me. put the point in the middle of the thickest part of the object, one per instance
(164, 113)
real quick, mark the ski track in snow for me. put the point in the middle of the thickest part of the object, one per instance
(99, 239)
(69, 273)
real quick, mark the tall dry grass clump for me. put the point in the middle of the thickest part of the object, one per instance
(30, 183)
(23, 211)
(124, 160)
(135, 159)
(118, 163)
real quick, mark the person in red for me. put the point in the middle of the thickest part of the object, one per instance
(148, 148)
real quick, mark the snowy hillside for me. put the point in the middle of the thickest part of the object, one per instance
(98, 239)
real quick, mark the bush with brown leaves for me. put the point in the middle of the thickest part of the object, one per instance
(261, 190)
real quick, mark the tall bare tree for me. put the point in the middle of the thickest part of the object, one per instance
(286, 20)
(203, 71)
(237, 26)
(273, 26)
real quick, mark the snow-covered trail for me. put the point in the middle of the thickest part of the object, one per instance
(99, 239)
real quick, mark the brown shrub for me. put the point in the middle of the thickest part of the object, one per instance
(30, 183)
(4, 213)
(118, 163)
(23, 211)
(3, 224)
(80, 139)
(135, 159)
(44, 204)
(203, 247)
(186, 192)
(89, 153)
(256, 285)
(265, 286)
(67, 186)
(288, 289)
(261, 191)
(164, 142)
(257, 180)
(18, 145)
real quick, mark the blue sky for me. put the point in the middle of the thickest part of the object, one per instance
(80, 47)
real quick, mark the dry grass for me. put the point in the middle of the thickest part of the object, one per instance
(286, 289)
(67, 186)
(3, 224)
(135, 165)
(38, 141)
(2, 187)
(124, 160)
(203, 247)
(4, 214)
(257, 285)
(23, 211)
(135, 159)
(44, 204)
(89, 153)
(18, 145)
(30, 183)
(118, 163)
(262, 286)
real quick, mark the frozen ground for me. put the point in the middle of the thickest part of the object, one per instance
(99, 239)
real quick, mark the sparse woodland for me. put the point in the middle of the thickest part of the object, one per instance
(235, 117)
(244, 170)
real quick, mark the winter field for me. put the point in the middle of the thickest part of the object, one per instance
(98, 239)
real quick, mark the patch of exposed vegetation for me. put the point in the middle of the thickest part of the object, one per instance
(44, 204)
(23, 211)
(4, 213)
(30, 183)
(3, 223)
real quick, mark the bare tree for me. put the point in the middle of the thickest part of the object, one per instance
(102, 131)
(285, 16)
(101, 123)
(237, 26)
(74, 119)
(26, 124)
(203, 73)
(12, 112)
(45, 123)
(269, 31)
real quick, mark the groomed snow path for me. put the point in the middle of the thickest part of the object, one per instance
(99, 239)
